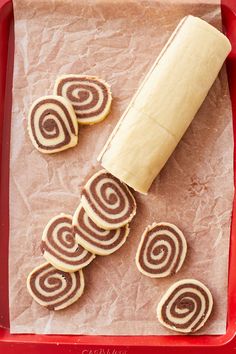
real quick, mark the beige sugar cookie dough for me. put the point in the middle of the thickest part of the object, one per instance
(165, 104)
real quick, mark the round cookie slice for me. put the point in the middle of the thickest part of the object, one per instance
(52, 124)
(93, 238)
(60, 248)
(90, 96)
(107, 201)
(186, 306)
(53, 288)
(161, 251)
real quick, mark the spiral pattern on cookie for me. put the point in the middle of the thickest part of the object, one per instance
(54, 288)
(89, 96)
(93, 238)
(52, 124)
(186, 306)
(107, 201)
(60, 248)
(161, 251)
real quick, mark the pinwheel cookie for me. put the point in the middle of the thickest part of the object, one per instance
(52, 124)
(90, 96)
(54, 288)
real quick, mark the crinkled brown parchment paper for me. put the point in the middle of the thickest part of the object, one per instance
(118, 41)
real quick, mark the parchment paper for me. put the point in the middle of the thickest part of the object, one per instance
(118, 41)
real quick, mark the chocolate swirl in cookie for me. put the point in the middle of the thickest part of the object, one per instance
(60, 248)
(52, 124)
(161, 251)
(186, 306)
(89, 96)
(93, 238)
(54, 288)
(107, 201)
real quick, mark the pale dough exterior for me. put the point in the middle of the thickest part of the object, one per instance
(128, 150)
(165, 103)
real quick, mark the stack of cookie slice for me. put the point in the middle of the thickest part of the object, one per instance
(99, 226)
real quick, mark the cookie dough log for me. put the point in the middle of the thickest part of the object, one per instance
(52, 124)
(60, 248)
(90, 96)
(54, 288)
(165, 104)
(93, 238)
(186, 306)
(107, 201)
(162, 250)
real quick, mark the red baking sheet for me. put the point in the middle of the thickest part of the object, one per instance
(99, 344)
